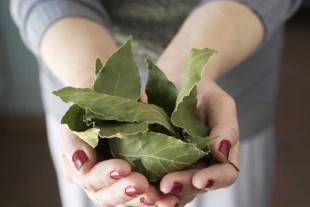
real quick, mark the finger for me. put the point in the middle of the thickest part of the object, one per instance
(82, 157)
(143, 97)
(149, 198)
(220, 110)
(65, 168)
(217, 176)
(121, 191)
(103, 174)
(168, 201)
(179, 183)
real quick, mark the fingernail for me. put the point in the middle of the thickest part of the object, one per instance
(132, 191)
(144, 201)
(116, 175)
(225, 148)
(209, 184)
(79, 158)
(177, 187)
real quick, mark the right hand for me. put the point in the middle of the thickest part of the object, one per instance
(107, 183)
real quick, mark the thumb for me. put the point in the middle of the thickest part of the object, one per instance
(220, 113)
(81, 156)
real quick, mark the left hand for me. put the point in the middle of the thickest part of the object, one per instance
(218, 110)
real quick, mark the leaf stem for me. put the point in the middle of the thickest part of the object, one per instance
(232, 164)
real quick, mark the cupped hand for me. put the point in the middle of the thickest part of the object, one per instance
(107, 183)
(218, 110)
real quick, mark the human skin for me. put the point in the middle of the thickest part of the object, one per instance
(69, 47)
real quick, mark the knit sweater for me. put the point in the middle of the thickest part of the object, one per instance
(253, 83)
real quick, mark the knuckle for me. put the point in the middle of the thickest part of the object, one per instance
(88, 186)
(64, 170)
(67, 144)
(235, 131)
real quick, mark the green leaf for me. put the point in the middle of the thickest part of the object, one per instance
(74, 121)
(154, 154)
(74, 118)
(203, 142)
(98, 66)
(90, 136)
(195, 65)
(184, 116)
(113, 107)
(160, 91)
(119, 75)
(113, 129)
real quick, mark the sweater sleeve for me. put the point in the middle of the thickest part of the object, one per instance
(33, 17)
(272, 13)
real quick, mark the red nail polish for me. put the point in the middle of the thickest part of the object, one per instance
(79, 158)
(132, 191)
(177, 187)
(116, 175)
(144, 201)
(225, 148)
(209, 184)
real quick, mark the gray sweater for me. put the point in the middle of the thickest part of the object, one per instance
(253, 83)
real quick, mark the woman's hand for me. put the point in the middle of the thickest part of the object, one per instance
(218, 110)
(107, 183)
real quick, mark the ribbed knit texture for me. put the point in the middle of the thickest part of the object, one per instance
(33, 17)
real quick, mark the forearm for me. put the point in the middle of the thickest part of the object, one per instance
(69, 49)
(226, 26)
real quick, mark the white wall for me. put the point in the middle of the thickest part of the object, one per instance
(19, 88)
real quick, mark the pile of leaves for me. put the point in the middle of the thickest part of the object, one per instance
(155, 138)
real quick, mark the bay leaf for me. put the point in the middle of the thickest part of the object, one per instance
(90, 136)
(195, 65)
(160, 91)
(184, 116)
(119, 75)
(113, 107)
(112, 129)
(203, 142)
(158, 153)
(74, 121)
(98, 66)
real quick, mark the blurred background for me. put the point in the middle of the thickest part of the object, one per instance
(26, 171)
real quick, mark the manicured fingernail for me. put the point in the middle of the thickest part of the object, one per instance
(116, 175)
(132, 191)
(79, 158)
(144, 201)
(177, 187)
(225, 148)
(209, 184)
